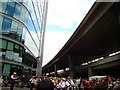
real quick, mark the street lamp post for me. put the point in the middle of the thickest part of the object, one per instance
(41, 45)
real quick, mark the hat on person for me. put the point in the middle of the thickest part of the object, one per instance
(64, 79)
(39, 76)
(14, 73)
(68, 77)
(33, 76)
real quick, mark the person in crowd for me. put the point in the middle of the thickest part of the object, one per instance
(45, 84)
(22, 81)
(58, 84)
(111, 84)
(28, 84)
(62, 84)
(77, 83)
(116, 87)
(70, 84)
(32, 81)
(38, 79)
(1, 82)
(5, 82)
(13, 78)
(55, 81)
(100, 86)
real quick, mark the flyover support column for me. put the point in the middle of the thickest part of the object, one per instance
(49, 73)
(90, 72)
(55, 70)
(64, 70)
(71, 67)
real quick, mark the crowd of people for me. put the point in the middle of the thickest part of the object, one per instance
(66, 83)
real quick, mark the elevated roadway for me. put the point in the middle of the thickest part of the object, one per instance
(98, 35)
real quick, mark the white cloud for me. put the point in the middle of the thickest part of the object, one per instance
(54, 41)
(65, 12)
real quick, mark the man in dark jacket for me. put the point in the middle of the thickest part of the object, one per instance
(45, 84)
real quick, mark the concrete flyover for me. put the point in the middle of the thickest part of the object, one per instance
(95, 40)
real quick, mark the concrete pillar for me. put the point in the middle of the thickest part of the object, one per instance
(90, 72)
(71, 67)
(64, 70)
(49, 73)
(41, 44)
(55, 70)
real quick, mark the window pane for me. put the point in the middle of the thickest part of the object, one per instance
(10, 3)
(0, 7)
(20, 0)
(6, 70)
(4, 43)
(20, 28)
(20, 59)
(13, 66)
(10, 8)
(0, 43)
(9, 55)
(16, 46)
(10, 46)
(18, 38)
(6, 24)
(23, 15)
(3, 8)
(16, 57)
(12, 35)
(0, 53)
(17, 11)
(1, 21)
(14, 26)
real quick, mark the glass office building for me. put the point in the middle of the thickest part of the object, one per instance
(21, 25)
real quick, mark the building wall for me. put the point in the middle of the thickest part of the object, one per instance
(20, 33)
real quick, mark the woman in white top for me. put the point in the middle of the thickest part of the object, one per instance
(32, 81)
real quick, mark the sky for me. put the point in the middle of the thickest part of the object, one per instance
(63, 18)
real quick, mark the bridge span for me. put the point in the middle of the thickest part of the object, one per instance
(94, 48)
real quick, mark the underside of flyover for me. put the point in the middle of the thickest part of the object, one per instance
(97, 36)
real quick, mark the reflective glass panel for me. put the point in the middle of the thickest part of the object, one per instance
(11, 4)
(0, 7)
(10, 8)
(17, 11)
(6, 69)
(16, 46)
(30, 44)
(20, 59)
(3, 8)
(16, 57)
(20, 29)
(0, 53)
(14, 26)
(4, 44)
(10, 46)
(6, 24)
(0, 43)
(1, 21)
(9, 55)
(23, 15)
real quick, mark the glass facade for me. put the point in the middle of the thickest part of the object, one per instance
(20, 34)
